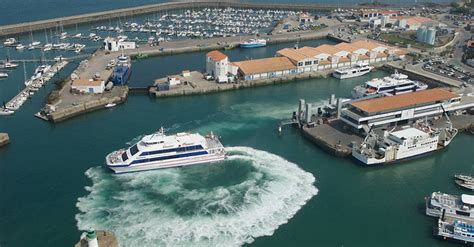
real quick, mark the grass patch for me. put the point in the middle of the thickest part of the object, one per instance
(394, 38)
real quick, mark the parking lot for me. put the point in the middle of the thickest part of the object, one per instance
(440, 67)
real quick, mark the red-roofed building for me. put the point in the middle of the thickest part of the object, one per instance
(217, 64)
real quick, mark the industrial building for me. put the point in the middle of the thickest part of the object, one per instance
(403, 108)
(87, 86)
(426, 35)
(265, 68)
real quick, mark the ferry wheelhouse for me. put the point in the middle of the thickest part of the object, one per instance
(158, 151)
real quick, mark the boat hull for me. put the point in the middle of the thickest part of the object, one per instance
(252, 45)
(210, 158)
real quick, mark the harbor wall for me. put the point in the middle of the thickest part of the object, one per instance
(4, 139)
(15, 29)
(72, 111)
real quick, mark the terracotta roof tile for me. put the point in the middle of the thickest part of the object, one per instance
(391, 103)
(264, 65)
(216, 55)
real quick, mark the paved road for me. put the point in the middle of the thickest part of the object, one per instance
(458, 52)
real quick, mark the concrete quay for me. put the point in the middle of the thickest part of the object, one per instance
(337, 140)
(4, 139)
(83, 104)
(195, 84)
(20, 28)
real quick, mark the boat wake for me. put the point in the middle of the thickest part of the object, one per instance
(229, 203)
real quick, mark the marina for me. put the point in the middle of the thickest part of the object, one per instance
(361, 112)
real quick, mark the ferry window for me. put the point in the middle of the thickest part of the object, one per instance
(124, 156)
(133, 150)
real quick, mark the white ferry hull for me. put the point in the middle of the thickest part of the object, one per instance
(347, 76)
(187, 161)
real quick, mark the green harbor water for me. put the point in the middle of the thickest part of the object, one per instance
(274, 190)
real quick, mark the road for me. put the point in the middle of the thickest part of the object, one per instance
(458, 52)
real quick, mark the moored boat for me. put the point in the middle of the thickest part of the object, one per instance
(359, 69)
(253, 43)
(390, 85)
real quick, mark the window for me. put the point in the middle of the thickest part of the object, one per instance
(308, 63)
(134, 149)
(124, 156)
(300, 64)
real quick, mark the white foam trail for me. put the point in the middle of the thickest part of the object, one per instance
(255, 193)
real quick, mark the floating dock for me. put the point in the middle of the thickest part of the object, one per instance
(16, 102)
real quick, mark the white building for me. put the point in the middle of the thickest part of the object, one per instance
(113, 44)
(402, 108)
(173, 81)
(88, 86)
(217, 64)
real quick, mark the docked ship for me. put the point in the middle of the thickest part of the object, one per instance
(390, 85)
(458, 230)
(158, 151)
(359, 69)
(122, 71)
(253, 43)
(452, 205)
(406, 143)
(464, 181)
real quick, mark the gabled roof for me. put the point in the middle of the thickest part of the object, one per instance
(367, 45)
(403, 101)
(265, 65)
(292, 54)
(329, 49)
(86, 82)
(347, 47)
(216, 55)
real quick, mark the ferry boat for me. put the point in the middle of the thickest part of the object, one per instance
(359, 69)
(390, 85)
(452, 205)
(254, 43)
(158, 151)
(406, 143)
(122, 71)
(455, 229)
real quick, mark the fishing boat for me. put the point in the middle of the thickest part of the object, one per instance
(254, 43)
(157, 151)
(122, 71)
(359, 69)
(390, 85)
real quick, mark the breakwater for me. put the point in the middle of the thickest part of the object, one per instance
(20, 28)
(75, 110)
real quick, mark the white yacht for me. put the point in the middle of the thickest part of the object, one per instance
(158, 151)
(391, 85)
(3, 75)
(9, 42)
(359, 69)
(456, 206)
(10, 65)
(20, 47)
(406, 143)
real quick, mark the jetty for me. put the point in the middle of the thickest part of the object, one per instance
(4, 139)
(27, 27)
(92, 238)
